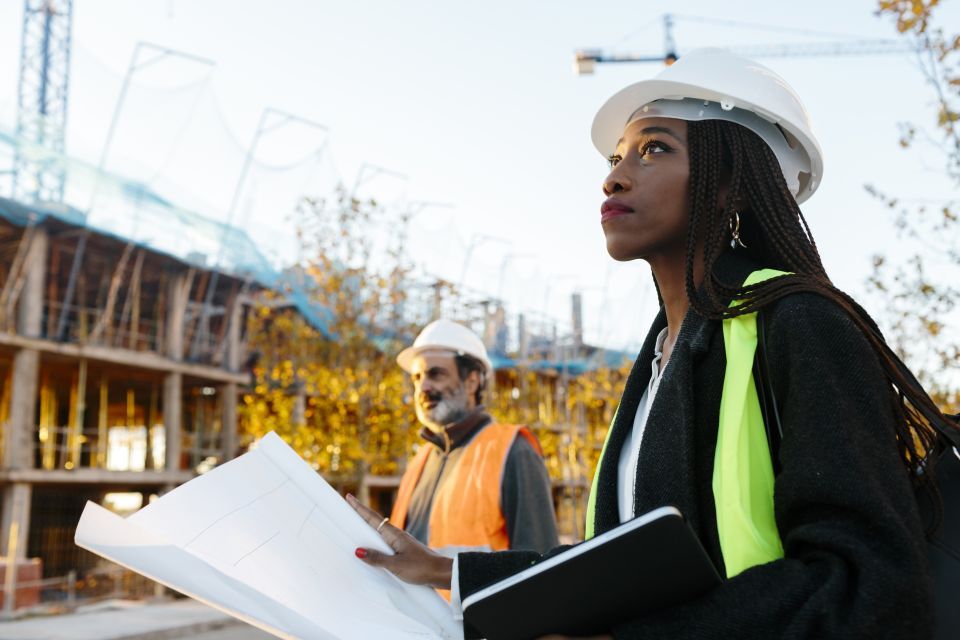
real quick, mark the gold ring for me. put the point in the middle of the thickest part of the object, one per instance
(382, 522)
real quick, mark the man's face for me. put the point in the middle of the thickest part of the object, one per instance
(440, 396)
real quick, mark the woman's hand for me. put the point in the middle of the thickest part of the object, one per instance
(412, 561)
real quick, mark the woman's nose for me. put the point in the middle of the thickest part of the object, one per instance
(615, 182)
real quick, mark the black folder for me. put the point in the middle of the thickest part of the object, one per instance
(648, 563)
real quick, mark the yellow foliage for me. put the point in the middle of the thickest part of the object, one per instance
(340, 399)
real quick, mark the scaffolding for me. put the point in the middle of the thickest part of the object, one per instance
(131, 389)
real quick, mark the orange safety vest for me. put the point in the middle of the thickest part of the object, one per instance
(466, 507)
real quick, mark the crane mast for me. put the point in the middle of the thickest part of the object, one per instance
(38, 171)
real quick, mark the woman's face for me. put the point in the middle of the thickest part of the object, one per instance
(646, 212)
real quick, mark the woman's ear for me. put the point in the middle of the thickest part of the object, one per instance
(724, 192)
(723, 195)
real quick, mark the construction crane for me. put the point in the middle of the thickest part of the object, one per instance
(38, 171)
(585, 60)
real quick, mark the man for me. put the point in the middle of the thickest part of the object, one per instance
(474, 483)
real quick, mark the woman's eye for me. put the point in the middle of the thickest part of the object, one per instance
(614, 160)
(652, 147)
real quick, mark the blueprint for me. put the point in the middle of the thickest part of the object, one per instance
(267, 540)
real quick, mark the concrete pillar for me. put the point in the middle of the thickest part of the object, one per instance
(18, 444)
(363, 491)
(30, 308)
(523, 338)
(229, 391)
(501, 333)
(437, 303)
(554, 345)
(234, 318)
(228, 420)
(16, 509)
(172, 419)
(576, 304)
(18, 447)
(177, 296)
(299, 415)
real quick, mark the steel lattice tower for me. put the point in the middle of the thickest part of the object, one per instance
(38, 172)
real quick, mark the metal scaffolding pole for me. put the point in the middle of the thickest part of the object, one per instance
(280, 119)
(136, 64)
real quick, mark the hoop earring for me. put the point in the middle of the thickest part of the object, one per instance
(735, 240)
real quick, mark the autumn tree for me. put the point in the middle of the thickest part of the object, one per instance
(327, 381)
(919, 292)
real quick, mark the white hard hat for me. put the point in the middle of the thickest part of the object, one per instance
(448, 335)
(716, 84)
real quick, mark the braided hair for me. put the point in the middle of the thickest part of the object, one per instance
(778, 237)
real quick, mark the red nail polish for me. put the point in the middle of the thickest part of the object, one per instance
(350, 495)
(361, 553)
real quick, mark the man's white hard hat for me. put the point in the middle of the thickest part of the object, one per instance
(449, 336)
(716, 84)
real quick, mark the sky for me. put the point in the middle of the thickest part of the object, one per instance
(472, 108)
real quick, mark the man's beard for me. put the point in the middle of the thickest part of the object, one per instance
(449, 409)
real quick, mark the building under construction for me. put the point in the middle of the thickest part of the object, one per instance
(123, 346)
(120, 369)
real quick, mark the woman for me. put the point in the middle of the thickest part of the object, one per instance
(705, 188)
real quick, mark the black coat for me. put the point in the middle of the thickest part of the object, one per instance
(855, 564)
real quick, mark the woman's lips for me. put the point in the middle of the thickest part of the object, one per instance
(611, 209)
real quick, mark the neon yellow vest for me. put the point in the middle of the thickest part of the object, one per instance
(742, 468)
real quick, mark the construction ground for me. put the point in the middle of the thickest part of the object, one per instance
(129, 620)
